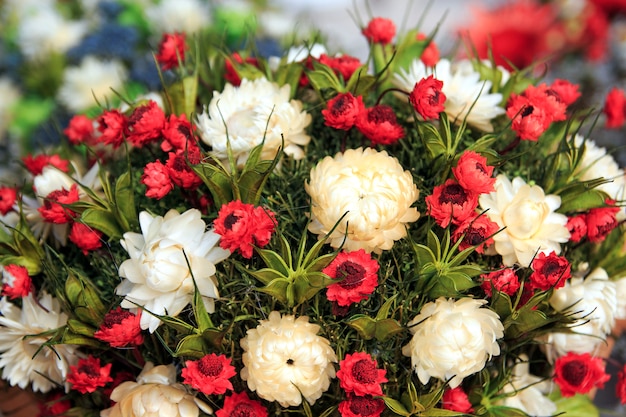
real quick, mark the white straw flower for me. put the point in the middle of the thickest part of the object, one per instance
(529, 218)
(157, 276)
(375, 192)
(94, 77)
(592, 301)
(23, 357)
(254, 112)
(284, 360)
(467, 96)
(453, 339)
(155, 394)
(169, 16)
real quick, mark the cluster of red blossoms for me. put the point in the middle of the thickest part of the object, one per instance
(360, 378)
(595, 224)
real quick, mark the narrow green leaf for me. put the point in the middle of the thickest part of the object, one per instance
(397, 407)
(125, 201)
(274, 261)
(103, 221)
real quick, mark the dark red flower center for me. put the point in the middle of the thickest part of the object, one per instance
(453, 193)
(230, 221)
(364, 371)
(89, 369)
(433, 98)
(364, 406)
(138, 114)
(575, 372)
(352, 273)
(480, 167)
(115, 317)
(210, 366)
(551, 267)
(340, 105)
(474, 236)
(184, 130)
(243, 410)
(528, 110)
(381, 114)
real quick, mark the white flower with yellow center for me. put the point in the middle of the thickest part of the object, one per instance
(375, 192)
(453, 339)
(94, 77)
(467, 96)
(284, 360)
(256, 112)
(165, 259)
(155, 394)
(592, 301)
(23, 357)
(529, 220)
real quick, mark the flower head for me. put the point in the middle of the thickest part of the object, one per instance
(549, 271)
(156, 178)
(453, 339)
(380, 30)
(615, 108)
(578, 373)
(504, 280)
(473, 173)
(210, 374)
(154, 393)
(284, 360)
(146, 124)
(88, 375)
(374, 191)
(16, 283)
(171, 50)
(358, 273)
(240, 405)
(379, 124)
(476, 231)
(120, 328)
(455, 399)
(451, 203)
(80, 129)
(427, 98)
(341, 111)
(529, 218)
(367, 406)
(113, 127)
(359, 374)
(170, 255)
(620, 387)
(255, 112)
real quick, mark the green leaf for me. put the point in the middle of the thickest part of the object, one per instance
(125, 201)
(217, 180)
(183, 94)
(193, 345)
(70, 338)
(323, 77)
(274, 261)
(103, 221)
(84, 299)
(576, 406)
(360, 82)
(278, 289)
(364, 325)
(440, 412)
(79, 328)
(387, 328)
(265, 275)
(397, 407)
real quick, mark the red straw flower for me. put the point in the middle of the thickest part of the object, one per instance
(344, 65)
(430, 55)
(367, 406)
(451, 203)
(85, 237)
(8, 195)
(179, 170)
(476, 230)
(156, 178)
(455, 399)
(342, 111)
(146, 124)
(54, 208)
(88, 375)
(534, 110)
(171, 50)
(113, 127)
(600, 222)
(577, 226)
(178, 134)
(579, 373)
(35, 165)
(359, 374)
(120, 328)
(16, 281)
(359, 275)
(54, 405)
(615, 108)
(242, 226)
(379, 124)
(504, 280)
(473, 173)
(80, 130)
(380, 30)
(427, 98)
(620, 387)
(209, 375)
(240, 405)
(549, 271)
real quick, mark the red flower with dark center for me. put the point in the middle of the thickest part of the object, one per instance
(179, 170)
(620, 387)
(35, 165)
(113, 126)
(380, 30)
(504, 280)
(210, 374)
(156, 178)
(427, 98)
(54, 405)
(577, 226)
(230, 72)
(615, 108)
(455, 399)
(242, 226)
(342, 111)
(600, 222)
(475, 230)
(359, 277)
(240, 405)
(171, 50)
(579, 373)
(8, 195)
(534, 110)
(359, 374)
(366, 406)
(379, 124)
(85, 237)
(178, 134)
(430, 55)
(549, 271)
(451, 203)
(146, 124)
(565, 91)
(17, 282)
(344, 65)
(54, 208)
(120, 328)
(473, 173)
(80, 130)
(88, 375)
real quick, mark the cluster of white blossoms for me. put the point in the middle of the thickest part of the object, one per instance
(284, 360)
(528, 217)
(165, 259)
(255, 112)
(453, 339)
(592, 302)
(467, 96)
(374, 193)
(169, 16)
(23, 357)
(155, 394)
